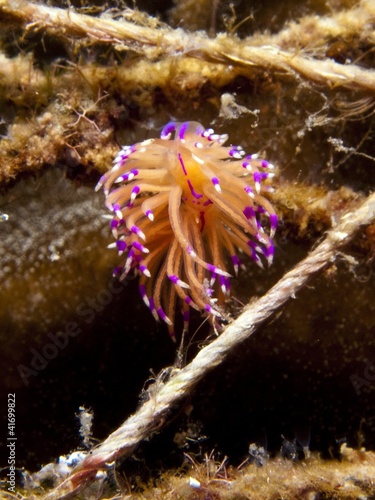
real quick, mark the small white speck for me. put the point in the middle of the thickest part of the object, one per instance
(194, 483)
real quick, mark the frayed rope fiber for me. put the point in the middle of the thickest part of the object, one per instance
(169, 42)
(152, 415)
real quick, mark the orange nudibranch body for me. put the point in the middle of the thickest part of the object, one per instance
(182, 205)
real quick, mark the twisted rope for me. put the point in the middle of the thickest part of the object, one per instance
(153, 414)
(164, 41)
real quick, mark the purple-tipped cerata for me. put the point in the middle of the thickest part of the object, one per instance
(185, 208)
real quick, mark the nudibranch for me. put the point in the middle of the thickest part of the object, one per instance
(185, 208)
